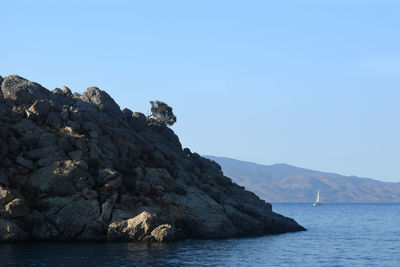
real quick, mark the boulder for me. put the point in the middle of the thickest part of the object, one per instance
(160, 179)
(107, 208)
(47, 155)
(101, 99)
(50, 206)
(57, 91)
(23, 91)
(10, 232)
(67, 91)
(127, 112)
(61, 177)
(72, 219)
(17, 208)
(7, 195)
(139, 121)
(164, 233)
(135, 229)
(140, 117)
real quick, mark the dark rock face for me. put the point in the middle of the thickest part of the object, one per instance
(22, 90)
(101, 99)
(1, 92)
(78, 168)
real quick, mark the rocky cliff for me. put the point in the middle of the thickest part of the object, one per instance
(76, 167)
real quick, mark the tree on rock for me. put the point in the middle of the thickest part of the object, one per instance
(162, 113)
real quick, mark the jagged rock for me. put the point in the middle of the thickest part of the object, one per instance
(135, 229)
(91, 172)
(40, 108)
(101, 99)
(10, 232)
(164, 233)
(66, 91)
(127, 112)
(139, 121)
(57, 91)
(107, 174)
(7, 195)
(17, 208)
(22, 91)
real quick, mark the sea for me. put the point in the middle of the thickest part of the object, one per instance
(337, 235)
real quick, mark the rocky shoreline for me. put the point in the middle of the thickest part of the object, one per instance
(76, 168)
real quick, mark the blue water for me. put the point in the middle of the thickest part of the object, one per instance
(338, 235)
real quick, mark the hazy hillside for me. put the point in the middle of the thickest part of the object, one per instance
(286, 183)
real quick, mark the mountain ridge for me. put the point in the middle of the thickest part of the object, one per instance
(283, 182)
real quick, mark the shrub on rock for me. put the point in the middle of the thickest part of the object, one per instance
(162, 113)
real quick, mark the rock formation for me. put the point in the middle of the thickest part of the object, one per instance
(76, 167)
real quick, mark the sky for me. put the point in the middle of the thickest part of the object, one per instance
(311, 83)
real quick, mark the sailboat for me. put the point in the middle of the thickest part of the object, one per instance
(317, 200)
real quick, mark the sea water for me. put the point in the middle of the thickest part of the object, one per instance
(338, 235)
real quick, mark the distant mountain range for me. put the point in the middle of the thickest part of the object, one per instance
(286, 183)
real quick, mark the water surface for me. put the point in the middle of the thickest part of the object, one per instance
(338, 235)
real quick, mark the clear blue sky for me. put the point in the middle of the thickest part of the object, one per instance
(310, 83)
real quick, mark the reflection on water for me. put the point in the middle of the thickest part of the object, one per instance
(338, 234)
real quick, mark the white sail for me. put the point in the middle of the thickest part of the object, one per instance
(317, 200)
